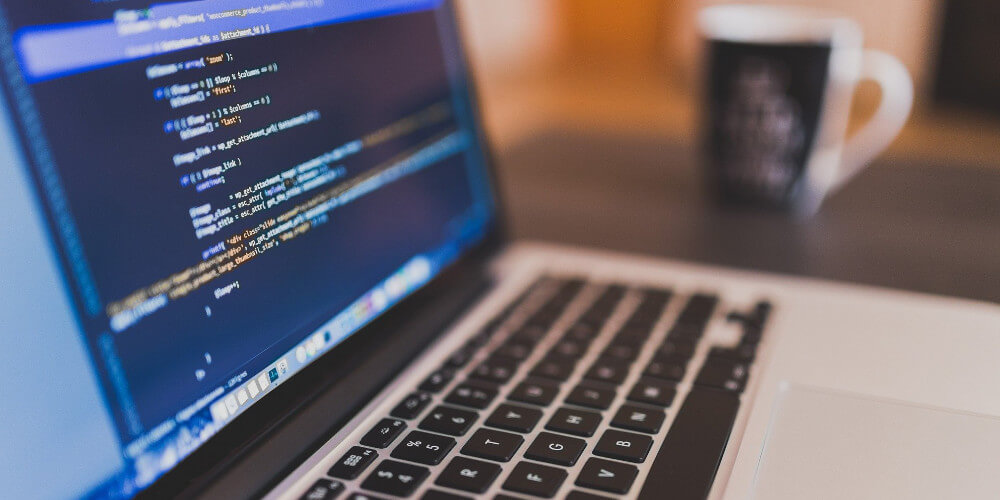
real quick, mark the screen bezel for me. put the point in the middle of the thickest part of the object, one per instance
(263, 419)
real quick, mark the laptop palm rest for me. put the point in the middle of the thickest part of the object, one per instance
(824, 445)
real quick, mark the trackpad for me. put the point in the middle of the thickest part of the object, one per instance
(830, 445)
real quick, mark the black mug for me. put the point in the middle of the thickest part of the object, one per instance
(779, 82)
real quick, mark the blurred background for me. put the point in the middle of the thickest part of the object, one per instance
(593, 107)
(632, 66)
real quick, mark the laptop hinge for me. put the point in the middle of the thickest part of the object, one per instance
(410, 328)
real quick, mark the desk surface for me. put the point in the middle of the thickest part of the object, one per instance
(900, 224)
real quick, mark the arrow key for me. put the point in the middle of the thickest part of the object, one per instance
(514, 418)
(605, 475)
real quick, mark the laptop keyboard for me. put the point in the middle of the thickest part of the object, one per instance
(564, 392)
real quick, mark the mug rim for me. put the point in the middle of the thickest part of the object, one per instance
(777, 24)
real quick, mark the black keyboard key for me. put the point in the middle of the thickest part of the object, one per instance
(556, 449)
(659, 295)
(666, 370)
(673, 358)
(687, 461)
(752, 320)
(568, 348)
(534, 391)
(613, 477)
(412, 405)
(600, 310)
(534, 479)
(610, 297)
(592, 395)
(649, 310)
(448, 420)
(545, 317)
(581, 332)
(631, 333)
(493, 445)
(515, 349)
(640, 324)
(514, 418)
(651, 306)
(462, 356)
(395, 478)
(582, 495)
(742, 352)
(644, 317)
(698, 309)
(467, 474)
(722, 373)
(594, 319)
(763, 309)
(324, 489)
(554, 367)
(623, 445)
(608, 370)
(441, 495)
(680, 346)
(566, 292)
(483, 337)
(423, 447)
(472, 394)
(687, 331)
(529, 334)
(497, 369)
(624, 348)
(363, 496)
(622, 351)
(638, 418)
(353, 463)
(751, 335)
(573, 421)
(383, 433)
(653, 391)
(437, 381)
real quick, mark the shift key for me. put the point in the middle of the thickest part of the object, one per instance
(690, 455)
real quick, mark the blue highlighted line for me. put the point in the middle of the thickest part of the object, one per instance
(47, 52)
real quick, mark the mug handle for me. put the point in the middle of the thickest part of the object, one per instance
(893, 110)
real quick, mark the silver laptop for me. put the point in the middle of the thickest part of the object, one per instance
(255, 250)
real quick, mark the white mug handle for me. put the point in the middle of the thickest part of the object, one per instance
(889, 118)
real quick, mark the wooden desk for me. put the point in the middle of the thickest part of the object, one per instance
(906, 225)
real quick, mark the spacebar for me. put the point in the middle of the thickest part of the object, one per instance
(689, 458)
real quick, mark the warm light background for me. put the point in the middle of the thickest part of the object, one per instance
(632, 66)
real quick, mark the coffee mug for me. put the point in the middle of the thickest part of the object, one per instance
(779, 84)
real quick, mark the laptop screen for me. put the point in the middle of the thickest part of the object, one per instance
(202, 198)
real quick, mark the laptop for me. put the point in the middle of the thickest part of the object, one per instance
(256, 250)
